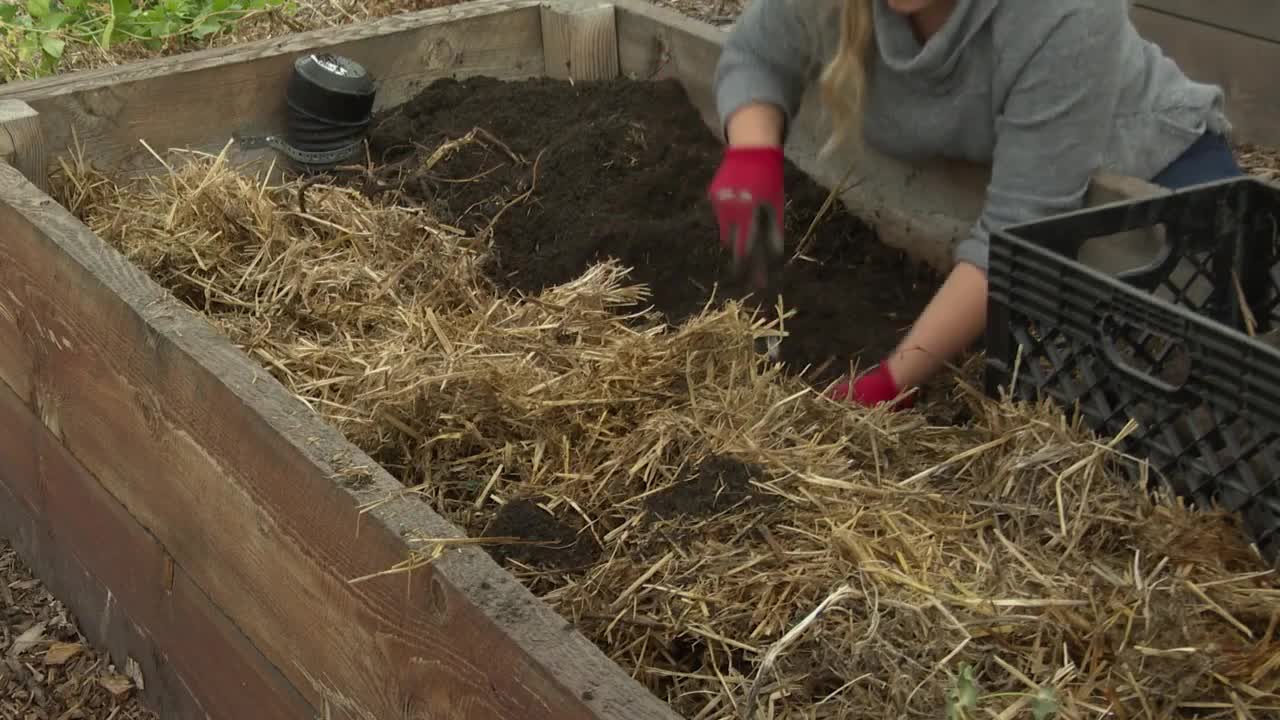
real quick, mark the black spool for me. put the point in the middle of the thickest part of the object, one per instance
(330, 105)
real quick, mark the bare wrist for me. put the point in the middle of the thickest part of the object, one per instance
(755, 125)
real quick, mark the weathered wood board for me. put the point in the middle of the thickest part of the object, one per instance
(1224, 54)
(202, 100)
(126, 591)
(1256, 18)
(22, 142)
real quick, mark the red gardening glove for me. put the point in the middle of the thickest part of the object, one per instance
(871, 389)
(748, 178)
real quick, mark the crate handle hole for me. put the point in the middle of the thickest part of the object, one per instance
(1129, 255)
(1173, 360)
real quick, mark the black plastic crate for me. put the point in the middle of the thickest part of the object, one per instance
(1167, 343)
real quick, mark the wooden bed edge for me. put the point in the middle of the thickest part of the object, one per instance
(184, 406)
(579, 40)
(128, 597)
(22, 142)
(232, 97)
(105, 77)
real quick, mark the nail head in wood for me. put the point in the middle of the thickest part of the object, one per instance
(22, 143)
(580, 41)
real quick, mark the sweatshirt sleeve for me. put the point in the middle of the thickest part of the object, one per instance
(767, 57)
(1053, 130)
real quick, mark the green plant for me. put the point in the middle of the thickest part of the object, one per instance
(35, 34)
(966, 693)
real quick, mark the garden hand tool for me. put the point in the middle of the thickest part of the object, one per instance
(763, 262)
(762, 266)
(748, 196)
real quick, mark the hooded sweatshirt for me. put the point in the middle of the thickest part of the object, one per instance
(1048, 92)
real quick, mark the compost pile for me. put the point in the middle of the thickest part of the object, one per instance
(696, 504)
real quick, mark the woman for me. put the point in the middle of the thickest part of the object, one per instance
(1048, 92)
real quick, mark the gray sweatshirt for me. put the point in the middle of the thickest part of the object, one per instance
(1048, 92)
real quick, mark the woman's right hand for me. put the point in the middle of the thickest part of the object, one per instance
(749, 180)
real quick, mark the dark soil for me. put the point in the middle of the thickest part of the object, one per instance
(719, 483)
(550, 543)
(622, 170)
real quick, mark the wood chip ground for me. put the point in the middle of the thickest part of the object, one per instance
(48, 670)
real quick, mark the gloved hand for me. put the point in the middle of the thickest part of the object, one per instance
(749, 178)
(872, 388)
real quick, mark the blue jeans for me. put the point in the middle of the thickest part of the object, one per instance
(1209, 158)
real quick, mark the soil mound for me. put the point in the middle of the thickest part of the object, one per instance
(567, 174)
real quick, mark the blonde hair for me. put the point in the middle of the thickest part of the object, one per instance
(844, 80)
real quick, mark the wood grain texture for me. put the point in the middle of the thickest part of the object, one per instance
(580, 41)
(122, 586)
(1242, 65)
(1257, 18)
(244, 486)
(22, 142)
(202, 99)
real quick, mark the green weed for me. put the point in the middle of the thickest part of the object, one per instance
(966, 694)
(35, 35)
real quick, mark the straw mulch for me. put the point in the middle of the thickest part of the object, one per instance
(1260, 161)
(704, 504)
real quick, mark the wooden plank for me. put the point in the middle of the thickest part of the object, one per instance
(244, 486)
(1256, 18)
(202, 99)
(580, 41)
(1242, 65)
(22, 143)
(124, 589)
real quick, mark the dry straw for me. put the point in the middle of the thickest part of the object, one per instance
(707, 507)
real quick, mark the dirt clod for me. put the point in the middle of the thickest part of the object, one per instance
(584, 171)
(552, 544)
(717, 484)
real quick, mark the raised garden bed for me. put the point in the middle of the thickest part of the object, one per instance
(223, 388)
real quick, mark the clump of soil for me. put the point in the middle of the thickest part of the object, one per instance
(578, 172)
(548, 543)
(718, 484)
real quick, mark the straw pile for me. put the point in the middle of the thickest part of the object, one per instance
(1259, 161)
(704, 505)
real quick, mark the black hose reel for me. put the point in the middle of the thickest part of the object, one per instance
(329, 106)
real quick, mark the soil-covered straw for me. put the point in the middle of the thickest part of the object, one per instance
(698, 503)
(621, 169)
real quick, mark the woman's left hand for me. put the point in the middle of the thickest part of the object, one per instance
(873, 388)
